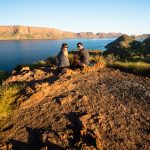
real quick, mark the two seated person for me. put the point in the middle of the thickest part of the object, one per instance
(81, 59)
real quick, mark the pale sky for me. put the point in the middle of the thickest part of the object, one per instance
(125, 16)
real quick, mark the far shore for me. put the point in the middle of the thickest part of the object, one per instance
(54, 39)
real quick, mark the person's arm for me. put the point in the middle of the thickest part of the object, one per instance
(83, 65)
(56, 60)
(85, 58)
(78, 62)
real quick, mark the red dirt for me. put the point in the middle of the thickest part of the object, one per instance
(95, 109)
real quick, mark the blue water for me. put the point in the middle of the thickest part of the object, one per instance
(13, 53)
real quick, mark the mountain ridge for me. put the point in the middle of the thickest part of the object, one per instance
(20, 32)
(28, 32)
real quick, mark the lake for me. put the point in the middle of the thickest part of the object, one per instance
(13, 53)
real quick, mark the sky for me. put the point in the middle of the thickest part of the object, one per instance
(125, 16)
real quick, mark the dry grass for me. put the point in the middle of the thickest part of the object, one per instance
(8, 97)
(135, 67)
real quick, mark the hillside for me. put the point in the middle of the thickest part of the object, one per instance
(142, 37)
(97, 108)
(24, 32)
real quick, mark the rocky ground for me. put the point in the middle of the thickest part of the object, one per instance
(98, 108)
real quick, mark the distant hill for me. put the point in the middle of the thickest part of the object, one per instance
(25, 32)
(142, 37)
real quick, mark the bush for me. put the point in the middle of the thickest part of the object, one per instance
(111, 58)
(8, 97)
(97, 59)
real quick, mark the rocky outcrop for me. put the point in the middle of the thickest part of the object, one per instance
(123, 42)
(123, 46)
(98, 108)
(24, 32)
(120, 46)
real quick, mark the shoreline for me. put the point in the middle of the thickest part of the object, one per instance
(56, 39)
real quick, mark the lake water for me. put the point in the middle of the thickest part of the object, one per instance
(13, 53)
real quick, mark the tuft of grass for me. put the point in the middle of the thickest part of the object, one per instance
(135, 67)
(8, 97)
(97, 59)
(111, 58)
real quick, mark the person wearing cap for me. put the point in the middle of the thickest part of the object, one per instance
(62, 60)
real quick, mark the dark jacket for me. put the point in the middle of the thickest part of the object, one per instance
(63, 60)
(84, 56)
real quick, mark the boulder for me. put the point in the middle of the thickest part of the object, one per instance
(25, 69)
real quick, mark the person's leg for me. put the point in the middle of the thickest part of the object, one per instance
(77, 65)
